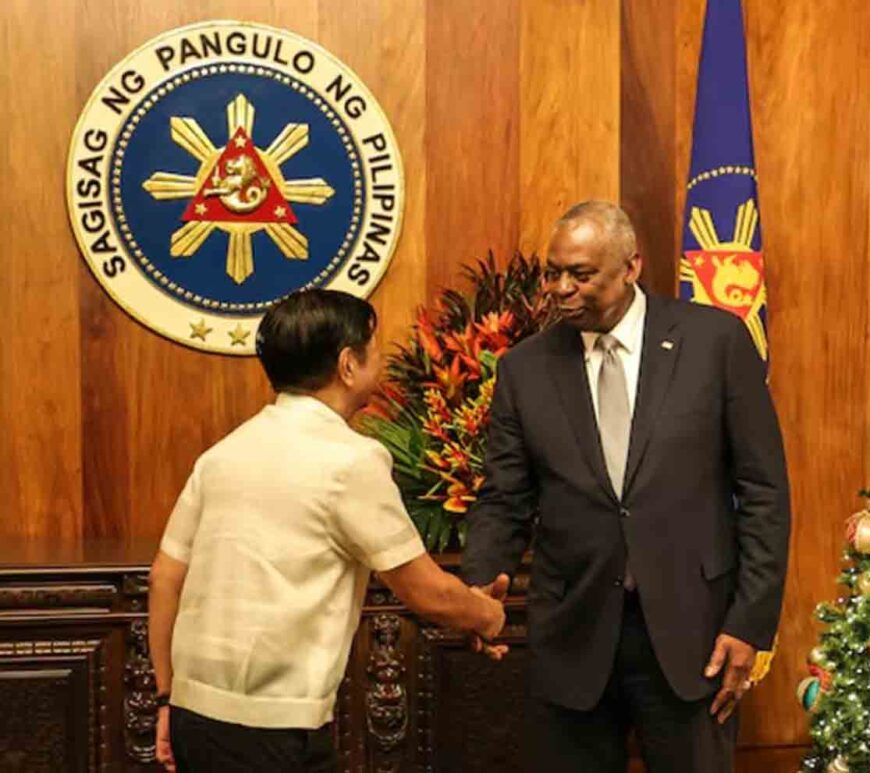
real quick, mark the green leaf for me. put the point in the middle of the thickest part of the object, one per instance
(462, 532)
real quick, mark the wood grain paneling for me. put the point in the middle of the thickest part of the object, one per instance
(40, 425)
(647, 147)
(812, 153)
(472, 117)
(386, 47)
(569, 111)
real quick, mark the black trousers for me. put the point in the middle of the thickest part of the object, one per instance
(675, 736)
(203, 745)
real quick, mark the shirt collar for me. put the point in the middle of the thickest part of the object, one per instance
(307, 404)
(629, 330)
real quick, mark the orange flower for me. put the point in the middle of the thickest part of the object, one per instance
(392, 392)
(468, 419)
(433, 426)
(458, 498)
(437, 460)
(377, 409)
(452, 379)
(436, 404)
(457, 457)
(495, 330)
(428, 338)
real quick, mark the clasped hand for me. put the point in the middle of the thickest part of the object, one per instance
(496, 590)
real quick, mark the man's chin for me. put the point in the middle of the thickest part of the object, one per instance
(579, 320)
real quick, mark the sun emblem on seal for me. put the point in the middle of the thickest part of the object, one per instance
(239, 189)
(728, 274)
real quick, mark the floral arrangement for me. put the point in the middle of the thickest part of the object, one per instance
(432, 411)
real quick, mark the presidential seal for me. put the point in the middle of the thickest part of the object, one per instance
(223, 165)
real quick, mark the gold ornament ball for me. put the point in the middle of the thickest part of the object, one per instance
(862, 535)
(863, 584)
(838, 765)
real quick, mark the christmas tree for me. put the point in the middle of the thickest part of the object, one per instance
(837, 692)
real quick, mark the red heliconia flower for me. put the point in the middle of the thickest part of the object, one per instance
(496, 323)
(457, 457)
(432, 426)
(468, 419)
(392, 392)
(428, 338)
(436, 403)
(452, 379)
(438, 461)
(472, 364)
(495, 331)
(466, 341)
(377, 409)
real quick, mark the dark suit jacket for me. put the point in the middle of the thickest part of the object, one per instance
(704, 514)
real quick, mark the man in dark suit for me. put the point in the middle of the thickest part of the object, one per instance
(640, 433)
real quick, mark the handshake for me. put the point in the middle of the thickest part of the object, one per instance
(444, 599)
(492, 598)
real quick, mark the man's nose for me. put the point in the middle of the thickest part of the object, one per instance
(563, 285)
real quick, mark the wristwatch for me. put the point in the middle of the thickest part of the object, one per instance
(162, 699)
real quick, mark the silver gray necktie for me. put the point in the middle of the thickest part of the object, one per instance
(614, 421)
(614, 413)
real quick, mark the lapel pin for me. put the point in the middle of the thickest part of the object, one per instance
(667, 345)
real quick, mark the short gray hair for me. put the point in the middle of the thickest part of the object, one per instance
(611, 221)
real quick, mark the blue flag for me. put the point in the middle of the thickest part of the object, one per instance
(722, 263)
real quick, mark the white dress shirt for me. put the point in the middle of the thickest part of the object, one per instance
(629, 333)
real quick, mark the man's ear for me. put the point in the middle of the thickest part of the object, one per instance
(346, 366)
(635, 264)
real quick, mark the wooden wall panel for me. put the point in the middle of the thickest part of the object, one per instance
(386, 47)
(472, 115)
(569, 111)
(40, 426)
(809, 73)
(647, 149)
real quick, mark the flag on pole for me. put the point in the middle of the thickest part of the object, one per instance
(722, 263)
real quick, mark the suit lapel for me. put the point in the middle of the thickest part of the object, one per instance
(572, 384)
(661, 348)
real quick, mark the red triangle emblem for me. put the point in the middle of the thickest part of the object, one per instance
(239, 189)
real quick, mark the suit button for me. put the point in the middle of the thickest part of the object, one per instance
(625, 513)
(619, 581)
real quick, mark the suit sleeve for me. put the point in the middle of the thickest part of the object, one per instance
(761, 492)
(500, 521)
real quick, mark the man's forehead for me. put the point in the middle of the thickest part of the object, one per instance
(577, 241)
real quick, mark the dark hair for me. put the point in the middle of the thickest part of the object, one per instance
(299, 338)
